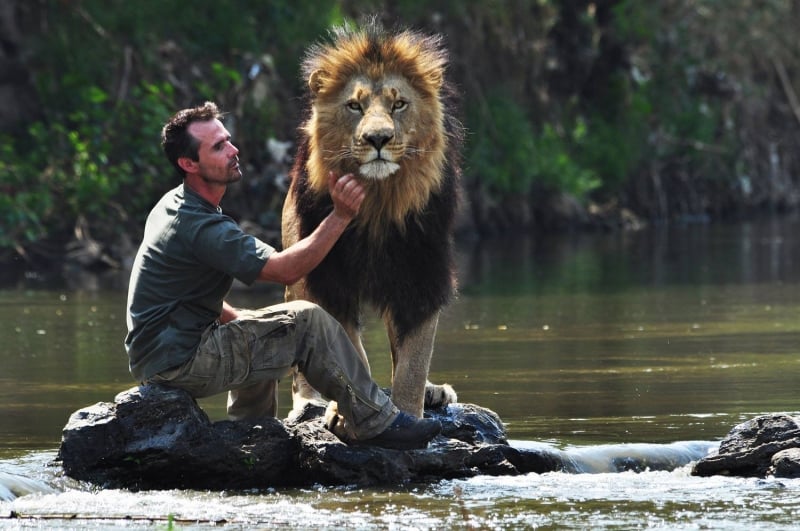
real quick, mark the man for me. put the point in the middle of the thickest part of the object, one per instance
(182, 333)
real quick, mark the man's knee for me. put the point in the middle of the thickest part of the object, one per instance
(302, 306)
(314, 317)
(308, 311)
(298, 310)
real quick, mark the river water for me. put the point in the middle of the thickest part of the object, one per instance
(646, 345)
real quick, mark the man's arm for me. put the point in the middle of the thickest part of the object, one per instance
(296, 261)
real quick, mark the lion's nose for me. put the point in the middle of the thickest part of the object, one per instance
(378, 140)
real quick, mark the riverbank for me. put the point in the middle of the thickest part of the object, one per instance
(81, 256)
(622, 111)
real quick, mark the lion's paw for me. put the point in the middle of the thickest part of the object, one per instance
(336, 423)
(306, 410)
(437, 396)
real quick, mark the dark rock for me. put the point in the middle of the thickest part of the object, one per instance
(155, 437)
(786, 464)
(750, 449)
(470, 424)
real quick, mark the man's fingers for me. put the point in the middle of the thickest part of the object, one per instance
(346, 180)
(347, 192)
(347, 184)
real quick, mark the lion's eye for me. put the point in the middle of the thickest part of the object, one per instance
(399, 105)
(353, 106)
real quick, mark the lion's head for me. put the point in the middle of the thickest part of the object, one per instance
(377, 111)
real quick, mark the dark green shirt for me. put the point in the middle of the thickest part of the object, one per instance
(189, 256)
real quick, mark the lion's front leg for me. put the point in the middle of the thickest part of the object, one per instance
(411, 358)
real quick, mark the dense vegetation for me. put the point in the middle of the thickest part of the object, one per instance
(579, 112)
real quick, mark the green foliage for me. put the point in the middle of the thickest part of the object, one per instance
(506, 153)
(649, 112)
(82, 165)
(555, 165)
(585, 98)
(636, 21)
(500, 148)
(170, 522)
(109, 73)
(616, 143)
(22, 207)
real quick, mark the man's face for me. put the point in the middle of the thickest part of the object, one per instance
(218, 158)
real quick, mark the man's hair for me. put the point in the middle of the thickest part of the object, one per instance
(175, 138)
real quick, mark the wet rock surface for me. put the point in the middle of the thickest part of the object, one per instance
(767, 445)
(155, 437)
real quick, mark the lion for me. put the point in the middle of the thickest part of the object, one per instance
(381, 109)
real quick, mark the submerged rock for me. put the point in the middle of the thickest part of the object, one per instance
(156, 437)
(767, 445)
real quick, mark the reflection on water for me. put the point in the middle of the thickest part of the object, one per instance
(601, 346)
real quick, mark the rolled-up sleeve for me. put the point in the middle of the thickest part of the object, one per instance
(222, 244)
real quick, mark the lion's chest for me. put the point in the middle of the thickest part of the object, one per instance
(406, 273)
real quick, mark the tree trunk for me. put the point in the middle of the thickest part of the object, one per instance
(18, 105)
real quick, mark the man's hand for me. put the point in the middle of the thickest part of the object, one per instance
(296, 261)
(347, 195)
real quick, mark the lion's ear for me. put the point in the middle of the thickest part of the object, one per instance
(316, 81)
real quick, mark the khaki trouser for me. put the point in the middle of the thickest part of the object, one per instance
(249, 355)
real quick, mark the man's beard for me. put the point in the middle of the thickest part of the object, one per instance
(235, 175)
(232, 178)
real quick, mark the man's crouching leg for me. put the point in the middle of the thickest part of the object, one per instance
(331, 364)
(254, 401)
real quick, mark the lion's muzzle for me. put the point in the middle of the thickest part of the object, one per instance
(377, 146)
(378, 139)
(378, 169)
